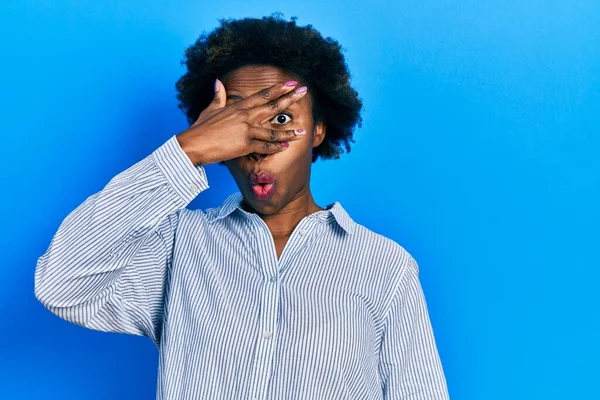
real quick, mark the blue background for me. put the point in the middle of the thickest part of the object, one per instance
(481, 136)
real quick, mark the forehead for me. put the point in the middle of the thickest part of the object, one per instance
(250, 79)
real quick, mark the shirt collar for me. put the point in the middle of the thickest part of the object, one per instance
(234, 201)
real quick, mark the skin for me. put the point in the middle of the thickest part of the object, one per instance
(292, 200)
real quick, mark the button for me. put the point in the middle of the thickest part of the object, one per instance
(267, 335)
(302, 232)
(273, 278)
(194, 189)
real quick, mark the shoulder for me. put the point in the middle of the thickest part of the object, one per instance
(372, 250)
(199, 216)
(221, 218)
(383, 253)
(386, 264)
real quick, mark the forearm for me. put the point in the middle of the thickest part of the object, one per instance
(93, 246)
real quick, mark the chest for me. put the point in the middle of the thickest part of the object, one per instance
(244, 325)
(294, 292)
(280, 245)
(253, 312)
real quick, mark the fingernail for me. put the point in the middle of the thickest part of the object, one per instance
(216, 85)
(290, 83)
(300, 131)
(301, 89)
(285, 144)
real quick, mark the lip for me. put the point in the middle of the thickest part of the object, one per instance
(262, 185)
(261, 177)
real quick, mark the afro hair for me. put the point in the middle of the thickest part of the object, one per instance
(274, 41)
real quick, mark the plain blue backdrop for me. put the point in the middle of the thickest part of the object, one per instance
(481, 133)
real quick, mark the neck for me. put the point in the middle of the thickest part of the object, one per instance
(283, 222)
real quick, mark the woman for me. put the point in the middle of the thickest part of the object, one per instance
(269, 296)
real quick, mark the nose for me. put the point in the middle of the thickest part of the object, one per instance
(257, 156)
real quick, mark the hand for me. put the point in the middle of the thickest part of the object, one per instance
(225, 132)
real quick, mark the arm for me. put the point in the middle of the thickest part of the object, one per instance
(410, 365)
(106, 266)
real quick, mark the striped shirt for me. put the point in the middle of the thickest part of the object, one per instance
(340, 315)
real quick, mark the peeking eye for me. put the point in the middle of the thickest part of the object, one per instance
(280, 119)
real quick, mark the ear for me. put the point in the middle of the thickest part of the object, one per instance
(319, 133)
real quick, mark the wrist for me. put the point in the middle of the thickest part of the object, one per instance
(185, 145)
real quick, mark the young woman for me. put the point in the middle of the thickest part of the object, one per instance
(269, 296)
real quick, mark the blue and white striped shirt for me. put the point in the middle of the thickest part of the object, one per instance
(340, 315)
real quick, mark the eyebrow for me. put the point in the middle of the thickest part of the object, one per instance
(238, 97)
(234, 97)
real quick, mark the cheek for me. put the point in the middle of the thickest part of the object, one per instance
(297, 160)
(236, 168)
(297, 152)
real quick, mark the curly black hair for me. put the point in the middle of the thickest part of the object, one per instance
(274, 41)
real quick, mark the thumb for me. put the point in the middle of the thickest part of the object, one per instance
(220, 96)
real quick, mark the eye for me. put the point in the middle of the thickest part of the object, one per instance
(280, 119)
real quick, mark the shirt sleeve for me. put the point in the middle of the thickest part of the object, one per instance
(410, 365)
(106, 265)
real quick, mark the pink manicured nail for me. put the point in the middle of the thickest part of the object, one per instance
(300, 131)
(301, 89)
(290, 83)
(285, 144)
(216, 85)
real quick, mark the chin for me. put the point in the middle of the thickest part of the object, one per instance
(263, 207)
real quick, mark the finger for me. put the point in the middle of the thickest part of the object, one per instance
(263, 147)
(220, 98)
(274, 135)
(267, 111)
(265, 95)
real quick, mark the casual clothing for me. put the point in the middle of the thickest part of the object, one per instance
(341, 314)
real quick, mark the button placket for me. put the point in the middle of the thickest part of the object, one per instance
(269, 306)
(303, 243)
(271, 269)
